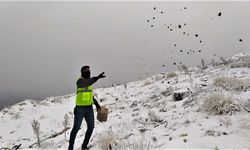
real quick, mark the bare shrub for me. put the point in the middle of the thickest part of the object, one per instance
(168, 91)
(125, 86)
(152, 116)
(57, 100)
(223, 60)
(16, 116)
(179, 68)
(241, 64)
(147, 83)
(213, 62)
(108, 140)
(65, 123)
(171, 75)
(203, 63)
(37, 132)
(185, 69)
(229, 83)
(219, 104)
(140, 144)
(159, 77)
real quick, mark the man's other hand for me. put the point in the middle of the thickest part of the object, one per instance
(101, 75)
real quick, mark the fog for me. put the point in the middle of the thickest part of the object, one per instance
(43, 45)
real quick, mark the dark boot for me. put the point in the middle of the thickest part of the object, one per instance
(85, 148)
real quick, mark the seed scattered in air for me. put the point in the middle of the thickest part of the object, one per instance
(181, 50)
(153, 17)
(152, 26)
(196, 35)
(219, 14)
(179, 26)
(154, 8)
(240, 40)
(174, 63)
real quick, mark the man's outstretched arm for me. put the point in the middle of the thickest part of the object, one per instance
(86, 82)
(82, 82)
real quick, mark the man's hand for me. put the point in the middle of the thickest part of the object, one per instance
(98, 107)
(101, 75)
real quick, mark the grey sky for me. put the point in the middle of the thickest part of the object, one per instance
(44, 44)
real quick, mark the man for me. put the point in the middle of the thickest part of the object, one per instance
(83, 109)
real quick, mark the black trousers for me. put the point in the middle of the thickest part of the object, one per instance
(81, 112)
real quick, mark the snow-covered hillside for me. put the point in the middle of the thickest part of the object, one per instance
(168, 110)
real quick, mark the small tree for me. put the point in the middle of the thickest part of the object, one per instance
(65, 123)
(223, 60)
(36, 130)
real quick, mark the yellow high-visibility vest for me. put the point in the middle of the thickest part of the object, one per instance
(84, 96)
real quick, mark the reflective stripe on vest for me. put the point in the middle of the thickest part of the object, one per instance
(84, 96)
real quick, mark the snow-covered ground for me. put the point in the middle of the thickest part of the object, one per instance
(143, 114)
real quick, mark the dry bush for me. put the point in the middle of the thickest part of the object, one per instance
(125, 86)
(16, 116)
(241, 64)
(219, 104)
(152, 116)
(186, 70)
(213, 62)
(147, 83)
(171, 75)
(108, 140)
(168, 91)
(65, 123)
(203, 63)
(140, 144)
(232, 83)
(223, 60)
(37, 132)
(158, 77)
